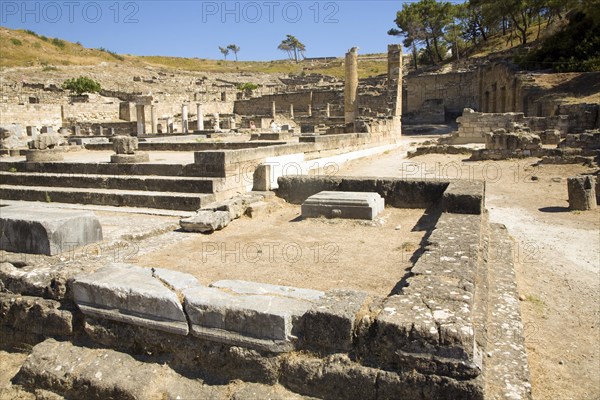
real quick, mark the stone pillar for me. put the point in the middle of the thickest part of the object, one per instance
(112, 131)
(328, 110)
(100, 131)
(291, 111)
(184, 118)
(169, 125)
(217, 122)
(141, 119)
(154, 118)
(273, 110)
(200, 117)
(395, 77)
(351, 86)
(232, 123)
(310, 110)
(77, 130)
(582, 193)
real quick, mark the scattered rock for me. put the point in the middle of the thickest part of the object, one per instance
(206, 221)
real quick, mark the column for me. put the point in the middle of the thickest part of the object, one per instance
(184, 118)
(328, 110)
(217, 122)
(273, 110)
(395, 77)
(141, 119)
(291, 111)
(200, 117)
(154, 118)
(351, 86)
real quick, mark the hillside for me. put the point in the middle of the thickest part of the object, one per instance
(19, 48)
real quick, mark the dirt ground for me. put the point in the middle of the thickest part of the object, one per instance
(558, 261)
(281, 248)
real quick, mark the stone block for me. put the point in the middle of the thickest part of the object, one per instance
(257, 209)
(464, 197)
(138, 157)
(49, 155)
(130, 294)
(262, 178)
(35, 315)
(329, 325)
(351, 205)
(582, 193)
(206, 221)
(125, 144)
(46, 231)
(46, 140)
(247, 288)
(261, 317)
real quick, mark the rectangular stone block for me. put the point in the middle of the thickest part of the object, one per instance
(329, 325)
(246, 287)
(133, 295)
(46, 231)
(261, 317)
(351, 205)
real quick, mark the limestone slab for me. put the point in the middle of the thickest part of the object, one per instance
(351, 205)
(133, 295)
(246, 287)
(45, 231)
(261, 317)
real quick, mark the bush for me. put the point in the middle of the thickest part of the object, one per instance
(30, 32)
(82, 85)
(59, 43)
(16, 42)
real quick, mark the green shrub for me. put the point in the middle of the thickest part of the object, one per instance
(59, 43)
(16, 42)
(30, 32)
(82, 85)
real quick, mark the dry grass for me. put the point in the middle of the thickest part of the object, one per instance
(19, 48)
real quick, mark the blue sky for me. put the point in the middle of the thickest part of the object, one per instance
(196, 28)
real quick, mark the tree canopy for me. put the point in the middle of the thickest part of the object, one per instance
(293, 47)
(234, 49)
(81, 85)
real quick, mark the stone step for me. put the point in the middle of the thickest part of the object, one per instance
(109, 197)
(94, 181)
(95, 168)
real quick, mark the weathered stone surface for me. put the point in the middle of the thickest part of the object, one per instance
(261, 317)
(45, 141)
(206, 221)
(138, 157)
(47, 281)
(412, 385)
(351, 205)
(49, 155)
(329, 325)
(246, 287)
(502, 140)
(125, 144)
(334, 378)
(263, 175)
(130, 294)
(35, 315)
(582, 193)
(257, 209)
(464, 197)
(78, 372)
(45, 231)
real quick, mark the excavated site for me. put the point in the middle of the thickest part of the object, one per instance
(405, 236)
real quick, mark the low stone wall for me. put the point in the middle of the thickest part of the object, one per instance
(31, 115)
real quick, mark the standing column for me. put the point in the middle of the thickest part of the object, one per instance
(291, 111)
(351, 86)
(273, 110)
(328, 111)
(310, 110)
(217, 122)
(184, 118)
(141, 119)
(200, 117)
(154, 119)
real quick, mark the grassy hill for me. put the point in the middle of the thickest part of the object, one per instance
(19, 48)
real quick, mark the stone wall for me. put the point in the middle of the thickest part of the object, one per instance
(90, 112)
(473, 126)
(31, 115)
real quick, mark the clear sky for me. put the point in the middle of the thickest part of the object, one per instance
(195, 28)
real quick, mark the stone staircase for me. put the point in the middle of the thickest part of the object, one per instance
(162, 186)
